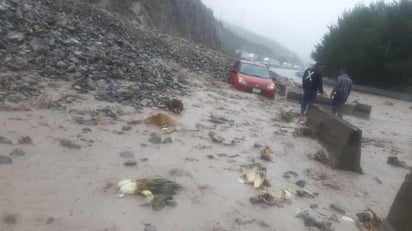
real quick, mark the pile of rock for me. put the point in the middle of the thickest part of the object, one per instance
(74, 41)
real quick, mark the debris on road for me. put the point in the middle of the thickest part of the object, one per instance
(338, 208)
(155, 138)
(258, 145)
(305, 193)
(158, 191)
(126, 128)
(321, 156)
(394, 161)
(127, 154)
(174, 105)
(311, 221)
(369, 219)
(290, 174)
(5, 160)
(286, 116)
(17, 152)
(25, 140)
(130, 163)
(265, 153)
(379, 181)
(255, 176)
(348, 219)
(149, 227)
(69, 144)
(4, 140)
(219, 119)
(167, 140)
(302, 131)
(216, 138)
(161, 120)
(301, 183)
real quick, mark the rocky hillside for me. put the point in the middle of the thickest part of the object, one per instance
(192, 20)
(97, 51)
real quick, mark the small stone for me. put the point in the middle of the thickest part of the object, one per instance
(171, 203)
(155, 139)
(145, 102)
(338, 208)
(15, 36)
(127, 154)
(127, 128)
(256, 200)
(378, 180)
(4, 140)
(258, 145)
(17, 152)
(25, 140)
(61, 64)
(134, 122)
(210, 157)
(149, 227)
(168, 140)
(289, 174)
(301, 183)
(5, 160)
(69, 144)
(50, 220)
(314, 206)
(130, 163)
(216, 138)
(86, 130)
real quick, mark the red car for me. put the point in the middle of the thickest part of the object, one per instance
(252, 77)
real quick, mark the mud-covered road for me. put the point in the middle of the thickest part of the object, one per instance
(52, 187)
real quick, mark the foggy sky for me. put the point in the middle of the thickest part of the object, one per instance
(297, 24)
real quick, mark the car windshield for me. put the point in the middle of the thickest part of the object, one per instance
(254, 70)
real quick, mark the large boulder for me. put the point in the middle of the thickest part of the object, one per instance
(341, 139)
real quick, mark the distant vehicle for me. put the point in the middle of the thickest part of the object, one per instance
(252, 77)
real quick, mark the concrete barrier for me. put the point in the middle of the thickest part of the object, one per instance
(341, 139)
(400, 214)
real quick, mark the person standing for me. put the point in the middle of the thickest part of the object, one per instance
(311, 84)
(341, 92)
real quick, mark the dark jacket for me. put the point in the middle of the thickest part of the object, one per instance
(312, 80)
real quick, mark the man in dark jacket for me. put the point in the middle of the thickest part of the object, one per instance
(311, 84)
(341, 92)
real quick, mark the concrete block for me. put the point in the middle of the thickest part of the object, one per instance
(341, 139)
(362, 110)
(400, 214)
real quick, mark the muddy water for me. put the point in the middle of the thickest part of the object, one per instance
(55, 188)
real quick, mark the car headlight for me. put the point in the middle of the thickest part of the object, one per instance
(242, 81)
(271, 86)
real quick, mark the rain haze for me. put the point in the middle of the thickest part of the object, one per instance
(297, 24)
